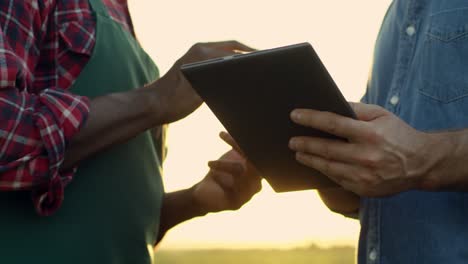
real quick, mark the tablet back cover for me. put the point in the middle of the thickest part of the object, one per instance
(253, 94)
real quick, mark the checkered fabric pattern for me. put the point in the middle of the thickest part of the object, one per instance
(44, 45)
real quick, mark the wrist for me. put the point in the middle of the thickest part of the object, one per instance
(162, 92)
(178, 207)
(198, 207)
(454, 171)
(441, 169)
(154, 97)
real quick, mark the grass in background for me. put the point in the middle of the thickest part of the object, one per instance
(313, 254)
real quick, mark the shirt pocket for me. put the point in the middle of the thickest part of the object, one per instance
(76, 41)
(444, 64)
(78, 36)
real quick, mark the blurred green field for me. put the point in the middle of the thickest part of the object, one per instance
(339, 255)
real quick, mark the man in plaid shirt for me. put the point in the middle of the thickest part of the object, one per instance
(46, 130)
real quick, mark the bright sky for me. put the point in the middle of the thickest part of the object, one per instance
(342, 32)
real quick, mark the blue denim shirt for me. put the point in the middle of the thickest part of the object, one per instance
(420, 73)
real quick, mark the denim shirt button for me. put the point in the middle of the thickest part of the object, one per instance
(373, 255)
(410, 30)
(394, 100)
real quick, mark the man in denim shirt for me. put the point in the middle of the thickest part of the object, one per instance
(404, 167)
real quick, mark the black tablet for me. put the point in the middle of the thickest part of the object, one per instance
(253, 95)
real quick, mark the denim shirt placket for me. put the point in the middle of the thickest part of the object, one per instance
(373, 231)
(407, 42)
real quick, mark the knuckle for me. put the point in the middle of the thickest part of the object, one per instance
(331, 126)
(371, 159)
(326, 150)
(374, 135)
(377, 135)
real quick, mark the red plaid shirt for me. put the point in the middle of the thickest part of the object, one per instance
(44, 45)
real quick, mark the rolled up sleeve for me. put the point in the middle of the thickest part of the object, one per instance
(33, 140)
(34, 132)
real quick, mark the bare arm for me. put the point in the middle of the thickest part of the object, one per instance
(178, 207)
(115, 118)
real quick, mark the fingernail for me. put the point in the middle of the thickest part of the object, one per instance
(294, 144)
(296, 115)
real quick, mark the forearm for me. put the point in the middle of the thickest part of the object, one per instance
(113, 119)
(340, 201)
(178, 207)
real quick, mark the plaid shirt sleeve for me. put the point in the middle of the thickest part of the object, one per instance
(36, 124)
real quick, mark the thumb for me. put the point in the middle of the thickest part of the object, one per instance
(225, 180)
(367, 112)
(228, 166)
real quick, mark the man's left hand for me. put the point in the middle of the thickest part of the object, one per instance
(380, 155)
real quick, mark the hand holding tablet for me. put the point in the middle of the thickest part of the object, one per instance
(253, 95)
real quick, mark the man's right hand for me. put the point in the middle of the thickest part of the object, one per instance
(175, 96)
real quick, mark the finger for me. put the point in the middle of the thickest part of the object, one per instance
(233, 45)
(251, 170)
(233, 155)
(245, 176)
(218, 52)
(367, 112)
(337, 150)
(331, 123)
(226, 137)
(232, 167)
(339, 172)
